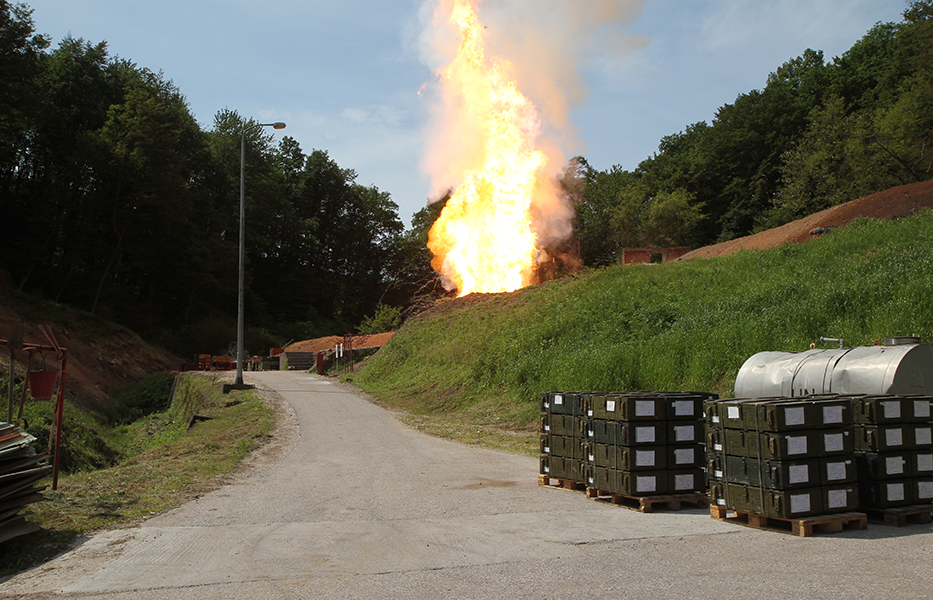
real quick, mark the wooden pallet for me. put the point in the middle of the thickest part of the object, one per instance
(804, 527)
(647, 504)
(901, 516)
(556, 482)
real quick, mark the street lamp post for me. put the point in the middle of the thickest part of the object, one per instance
(238, 384)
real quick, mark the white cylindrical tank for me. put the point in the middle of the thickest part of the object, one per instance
(898, 368)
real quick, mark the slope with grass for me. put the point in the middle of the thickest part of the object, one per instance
(474, 366)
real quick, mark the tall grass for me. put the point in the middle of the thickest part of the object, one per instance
(677, 326)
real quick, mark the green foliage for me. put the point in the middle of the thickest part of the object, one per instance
(142, 398)
(386, 318)
(678, 326)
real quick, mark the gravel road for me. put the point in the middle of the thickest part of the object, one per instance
(349, 503)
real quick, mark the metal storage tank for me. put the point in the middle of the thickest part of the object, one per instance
(899, 366)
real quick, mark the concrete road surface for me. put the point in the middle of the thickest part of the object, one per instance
(356, 505)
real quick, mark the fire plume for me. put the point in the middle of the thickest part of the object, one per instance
(484, 240)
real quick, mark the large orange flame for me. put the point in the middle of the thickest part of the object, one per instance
(483, 240)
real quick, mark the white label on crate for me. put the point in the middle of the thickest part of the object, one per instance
(684, 456)
(892, 409)
(683, 408)
(923, 436)
(547, 449)
(925, 490)
(894, 437)
(793, 415)
(558, 400)
(644, 435)
(796, 444)
(836, 470)
(717, 447)
(721, 501)
(610, 405)
(591, 457)
(837, 498)
(798, 473)
(715, 418)
(644, 408)
(733, 412)
(924, 462)
(895, 492)
(799, 503)
(833, 442)
(683, 482)
(832, 415)
(684, 433)
(547, 469)
(589, 413)
(922, 409)
(645, 458)
(646, 483)
(547, 427)
(718, 474)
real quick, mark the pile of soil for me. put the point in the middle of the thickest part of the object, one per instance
(896, 202)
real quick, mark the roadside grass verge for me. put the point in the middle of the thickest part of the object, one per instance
(170, 457)
(482, 361)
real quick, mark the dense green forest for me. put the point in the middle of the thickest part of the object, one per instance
(114, 199)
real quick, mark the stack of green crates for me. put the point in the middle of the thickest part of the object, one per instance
(782, 457)
(564, 449)
(646, 443)
(894, 446)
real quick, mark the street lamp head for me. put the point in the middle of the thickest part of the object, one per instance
(278, 125)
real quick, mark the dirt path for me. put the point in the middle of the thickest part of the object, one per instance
(355, 505)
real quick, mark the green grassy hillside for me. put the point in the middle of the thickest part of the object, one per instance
(478, 363)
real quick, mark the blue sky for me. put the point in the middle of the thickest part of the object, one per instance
(345, 75)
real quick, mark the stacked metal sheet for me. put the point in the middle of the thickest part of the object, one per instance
(625, 443)
(20, 470)
(894, 446)
(782, 457)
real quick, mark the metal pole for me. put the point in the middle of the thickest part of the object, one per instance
(239, 318)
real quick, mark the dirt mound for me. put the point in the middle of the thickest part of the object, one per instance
(96, 365)
(897, 202)
(375, 340)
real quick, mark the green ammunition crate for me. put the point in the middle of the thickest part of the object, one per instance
(873, 466)
(717, 493)
(772, 474)
(641, 458)
(833, 412)
(686, 456)
(601, 478)
(840, 498)
(838, 470)
(557, 403)
(794, 504)
(565, 425)
(606, 456)
(921, 463)
(575, 469)
(602, 431)
(597, 402)
(559, 467)
(633, 407)
(922, 436)
(641, 433)
(922, 490)
(744, 498)
(715, 439)
(685, 407)
(685, 432)
(736, 413)
(739, 442)
(545, 445)
(804, 444)
(781, 415)
(885, 494)
(919, 408)
(686, 481)
(881, 410)
(544, 465)
(641, 483)
(883, 438)
(561, 445)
